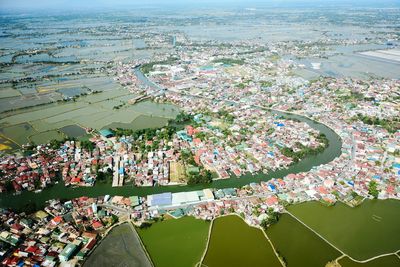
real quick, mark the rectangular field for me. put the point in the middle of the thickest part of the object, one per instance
(177, 172)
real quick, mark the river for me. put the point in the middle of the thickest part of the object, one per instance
(59, 191)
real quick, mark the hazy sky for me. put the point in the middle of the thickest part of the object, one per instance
(68, 4)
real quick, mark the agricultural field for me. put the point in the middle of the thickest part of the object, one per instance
(388, 261)
(176, 242)
(55, 84)
(368, 230)
(94, 111)
(299, 246)
(234, 243)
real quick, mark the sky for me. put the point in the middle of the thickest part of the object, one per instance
(79, 4)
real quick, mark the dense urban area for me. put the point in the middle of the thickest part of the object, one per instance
(246, 127)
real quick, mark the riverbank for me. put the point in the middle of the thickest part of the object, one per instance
(38, 200)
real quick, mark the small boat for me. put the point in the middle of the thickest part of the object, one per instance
(38, 191)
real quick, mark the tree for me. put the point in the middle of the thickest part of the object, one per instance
(202, 177)
(183, 117)
(273, 217)
(87, 145)
(55, 144)
(104, 177)
(9, 186)
(372, 189)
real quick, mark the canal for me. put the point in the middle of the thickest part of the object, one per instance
(59, 191)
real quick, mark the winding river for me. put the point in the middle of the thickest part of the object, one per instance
(19, 202)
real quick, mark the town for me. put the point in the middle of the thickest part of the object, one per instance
(250, 130)
(218, 134)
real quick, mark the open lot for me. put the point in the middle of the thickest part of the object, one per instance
(177, 172)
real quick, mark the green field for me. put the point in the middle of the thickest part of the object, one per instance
(371, 229)
(234, 243)
(176, 243)
(298, 245)
(388, 261)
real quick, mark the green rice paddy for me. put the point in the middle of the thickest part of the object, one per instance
(234, 243)
(44, 137)
(388, 261)
(176, 242)
(298, 245)
(371, 229)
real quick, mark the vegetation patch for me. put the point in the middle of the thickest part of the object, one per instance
(304, 151)
(392, 125)
(229, 61)
(147, 67)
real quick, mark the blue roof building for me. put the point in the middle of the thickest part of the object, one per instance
(106, 133)
(163, 199)
(271, 187)
(184, 136)
(229, 192)
(67, 252)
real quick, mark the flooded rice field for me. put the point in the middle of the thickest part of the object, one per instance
(235, 243)
(388, 261)
(73, 131)
(363, 232)
(298, 245)
(176, 242)
(93, 111)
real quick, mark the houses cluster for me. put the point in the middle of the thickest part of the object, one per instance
(61, 233)
(228, 140)
(250, 143)
(29, 172)
(202, 81)
(230, 132)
